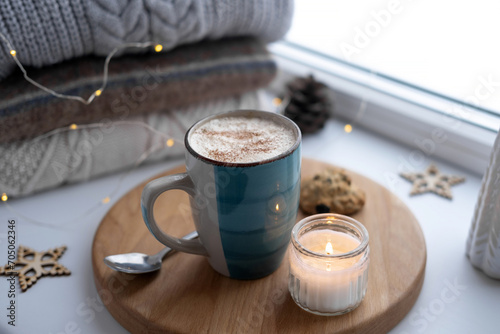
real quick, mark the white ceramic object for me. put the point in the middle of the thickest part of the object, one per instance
(483, 244)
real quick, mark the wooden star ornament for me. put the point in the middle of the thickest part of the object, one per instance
(432, 181)
(33, 265)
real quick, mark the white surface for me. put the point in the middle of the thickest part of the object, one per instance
(446, 46)
(58, 305)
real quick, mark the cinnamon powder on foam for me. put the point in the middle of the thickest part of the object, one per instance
(241, 139)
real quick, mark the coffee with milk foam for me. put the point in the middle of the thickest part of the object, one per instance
(239, 139)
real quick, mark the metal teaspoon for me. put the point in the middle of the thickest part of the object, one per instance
(138, 263)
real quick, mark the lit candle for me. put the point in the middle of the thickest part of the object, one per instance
(328, 264)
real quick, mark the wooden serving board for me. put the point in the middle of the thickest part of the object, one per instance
(188, 296)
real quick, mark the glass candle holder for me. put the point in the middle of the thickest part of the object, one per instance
(329, 261)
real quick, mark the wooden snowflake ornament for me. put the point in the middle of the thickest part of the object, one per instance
(33, 265)
(432, 181)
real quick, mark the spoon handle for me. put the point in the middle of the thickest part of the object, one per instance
(166, 250)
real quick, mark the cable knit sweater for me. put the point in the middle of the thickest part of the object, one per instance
(50, 31)
(179, 78)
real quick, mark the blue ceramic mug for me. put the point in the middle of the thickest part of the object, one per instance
(243, 212)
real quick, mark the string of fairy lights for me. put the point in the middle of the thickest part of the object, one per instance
(97, 92)
(165, 139)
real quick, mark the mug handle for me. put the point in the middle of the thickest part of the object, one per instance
(149, 195)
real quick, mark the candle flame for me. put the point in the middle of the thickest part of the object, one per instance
(277, 207)
(329, 249)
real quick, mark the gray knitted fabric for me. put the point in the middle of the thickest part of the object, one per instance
(73, 156)
(50, 31)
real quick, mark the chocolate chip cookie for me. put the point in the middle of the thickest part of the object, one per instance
(331, 191)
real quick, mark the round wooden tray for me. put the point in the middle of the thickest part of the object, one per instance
(188, 296)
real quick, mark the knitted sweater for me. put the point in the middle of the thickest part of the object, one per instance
(137, 84)
(50, 31)
(78, 155)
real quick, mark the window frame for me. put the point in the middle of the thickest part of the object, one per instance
(433, 124)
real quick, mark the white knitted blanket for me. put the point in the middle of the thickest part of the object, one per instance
(50, 31)
(78, 155)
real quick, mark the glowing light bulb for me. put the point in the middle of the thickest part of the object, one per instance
(5, 197)
(158, 47)
(73, 126)
(348, 128)
(98, 92)
(329, 248)
(170, 142)
(277, 207)
(277, 101)
(13, 53)
(105, 200)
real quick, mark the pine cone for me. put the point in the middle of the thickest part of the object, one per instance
(309, 105)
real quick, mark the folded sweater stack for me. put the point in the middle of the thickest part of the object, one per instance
(167, 91)
(72, 156)
(50, 31)
(136, 84)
